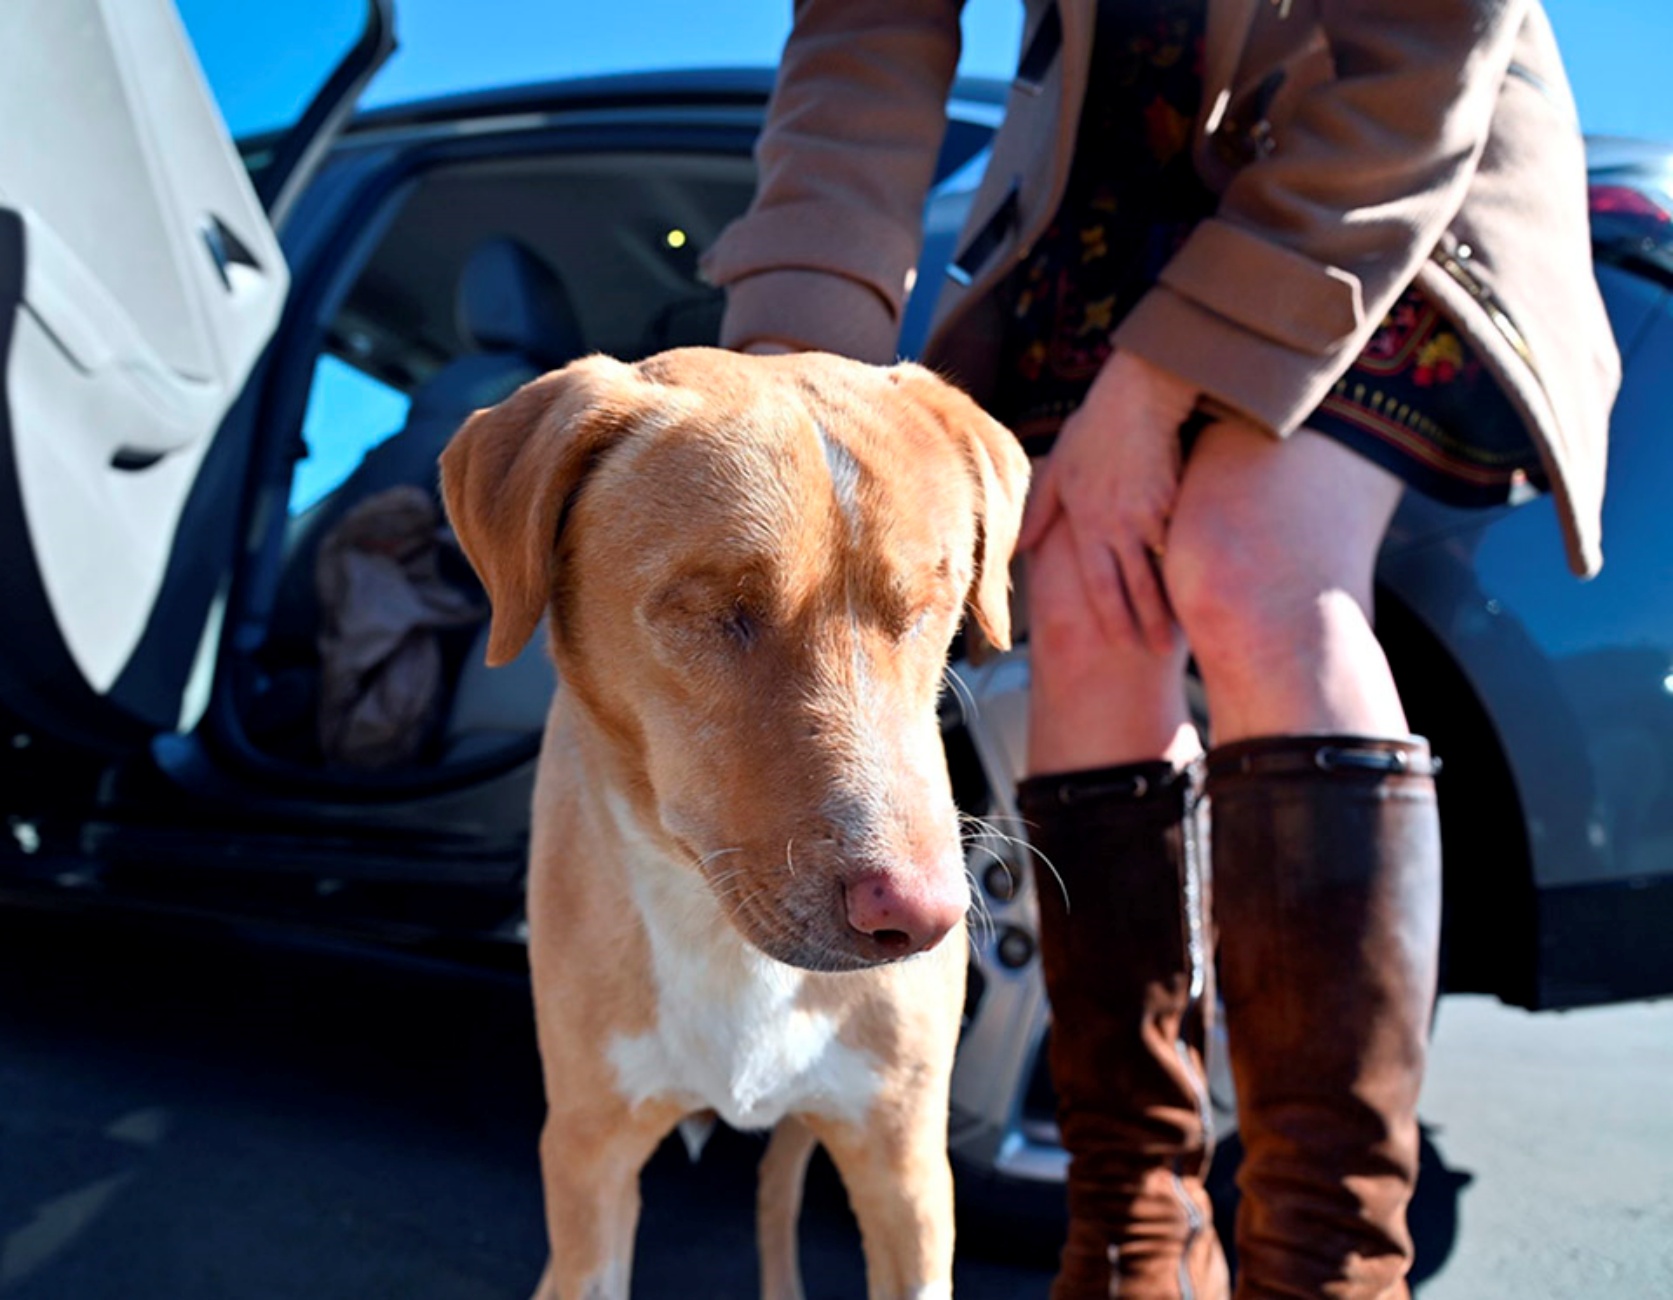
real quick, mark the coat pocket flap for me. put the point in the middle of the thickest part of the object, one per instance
(1266, 288)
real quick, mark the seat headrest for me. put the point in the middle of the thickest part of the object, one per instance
(511, 301)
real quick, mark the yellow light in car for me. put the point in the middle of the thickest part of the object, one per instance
(675, 238)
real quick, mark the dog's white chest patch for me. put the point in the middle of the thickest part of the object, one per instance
(730, 1033)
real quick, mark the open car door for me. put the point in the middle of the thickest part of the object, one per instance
(140, 282)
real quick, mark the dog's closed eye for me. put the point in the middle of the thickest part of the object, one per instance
(707, 612)
(741, 624)
(911, 609)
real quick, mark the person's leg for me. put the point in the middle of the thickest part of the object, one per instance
(1114, 808)
(1326, 855)
(1094, 702)
(1269, 568)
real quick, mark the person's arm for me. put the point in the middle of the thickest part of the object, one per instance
(822, 257)
(1269, 301)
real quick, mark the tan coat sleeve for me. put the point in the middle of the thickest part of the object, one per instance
(1268, 303)
(822, 257)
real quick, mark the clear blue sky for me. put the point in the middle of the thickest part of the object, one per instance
(1618, 51)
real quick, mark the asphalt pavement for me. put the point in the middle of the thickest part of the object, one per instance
(191, 1116)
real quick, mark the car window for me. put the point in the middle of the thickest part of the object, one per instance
(349, 412)
(266, 62)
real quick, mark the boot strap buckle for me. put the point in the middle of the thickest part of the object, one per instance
(1133, 787)
(1335, 758)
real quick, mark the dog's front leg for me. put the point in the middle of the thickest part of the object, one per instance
(589, 1164)
(778, 1206)
(900, 1186)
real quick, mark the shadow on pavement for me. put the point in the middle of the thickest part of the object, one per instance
(200, 1116)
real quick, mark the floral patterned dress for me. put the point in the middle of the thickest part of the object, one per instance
(1417, 401)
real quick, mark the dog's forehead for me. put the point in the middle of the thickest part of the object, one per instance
(821, 455)
(887, 420)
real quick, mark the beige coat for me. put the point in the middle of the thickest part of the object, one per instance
(1356, 145)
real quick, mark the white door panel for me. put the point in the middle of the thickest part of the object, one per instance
(101, 345)
(101, 535)
(151, 283)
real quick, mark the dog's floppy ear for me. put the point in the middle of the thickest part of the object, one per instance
(1003, 469)
(1001, 472)
(508, 474)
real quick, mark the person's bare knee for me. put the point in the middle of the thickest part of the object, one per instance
(1065, 638)
(1269, 568)
(1095, 701)
(1250, 631)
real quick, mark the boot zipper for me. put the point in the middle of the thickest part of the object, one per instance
(1196, 946)
(1193, 1229)
(1194, 1226)
(1198, 956)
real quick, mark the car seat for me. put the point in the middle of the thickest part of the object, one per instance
(515, 315)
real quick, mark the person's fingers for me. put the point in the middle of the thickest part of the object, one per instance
(1042, 508)
(1140, 574)
(1106, 593)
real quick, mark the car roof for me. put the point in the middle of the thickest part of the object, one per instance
(742, 86)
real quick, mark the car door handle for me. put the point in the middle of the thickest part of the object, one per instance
(226, 250)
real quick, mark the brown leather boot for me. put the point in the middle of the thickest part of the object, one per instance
(1328, 885)
(1127, 965)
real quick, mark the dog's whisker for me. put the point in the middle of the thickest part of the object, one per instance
(975, 831)
(707, 858)
(975, 834)
(733, 887)
(993, 819)
(718, 884)
(974, 843)
(986, 829)
(991, 825)
(995, 854)
(790, 855)
(982, 913)
(967, 706)
(1056, 875)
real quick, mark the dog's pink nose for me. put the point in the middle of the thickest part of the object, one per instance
(905, 916)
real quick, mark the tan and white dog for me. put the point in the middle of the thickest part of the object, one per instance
(743, 825)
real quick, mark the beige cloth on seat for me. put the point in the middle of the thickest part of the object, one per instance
(383, 602)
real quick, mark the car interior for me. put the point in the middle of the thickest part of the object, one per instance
(488, 275)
